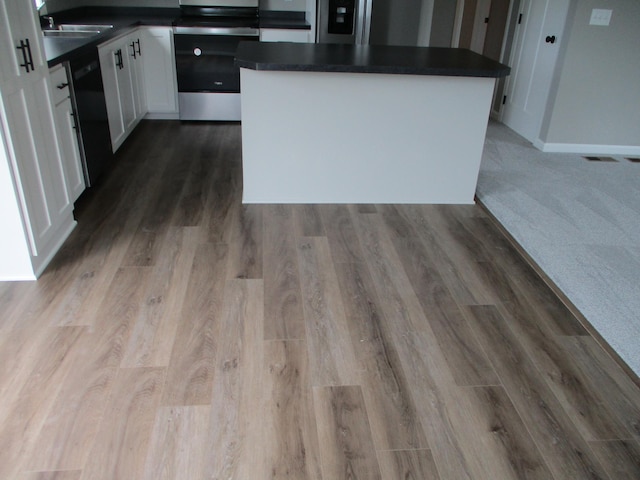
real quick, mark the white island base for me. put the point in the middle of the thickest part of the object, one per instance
(325, 137)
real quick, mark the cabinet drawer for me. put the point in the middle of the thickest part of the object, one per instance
(59, 84)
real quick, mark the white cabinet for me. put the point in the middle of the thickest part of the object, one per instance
(135, 43)
(122, 75)
(160, 73)
(33, 193)
(285, 35)
(67, 136)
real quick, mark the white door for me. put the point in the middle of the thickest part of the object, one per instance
(535, 52)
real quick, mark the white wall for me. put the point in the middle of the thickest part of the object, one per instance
(597, 99)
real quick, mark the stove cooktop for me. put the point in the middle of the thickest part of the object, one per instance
(225, 17)
(216, 22)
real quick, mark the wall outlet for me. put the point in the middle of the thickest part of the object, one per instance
(600, 16)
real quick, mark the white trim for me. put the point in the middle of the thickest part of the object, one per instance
(586, 148)
(162, 116)
(11, 278)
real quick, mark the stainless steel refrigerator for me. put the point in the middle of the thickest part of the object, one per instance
(375, 22)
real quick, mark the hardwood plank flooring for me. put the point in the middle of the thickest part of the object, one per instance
(289, 414)
(121, 444)
(283, 301)
(179, 334)
(346, 445)
(408, 464)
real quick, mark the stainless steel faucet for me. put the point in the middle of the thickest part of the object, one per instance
(51, 22)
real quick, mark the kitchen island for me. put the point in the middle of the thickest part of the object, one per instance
(326, 123)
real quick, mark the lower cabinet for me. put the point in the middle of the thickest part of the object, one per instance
(67, 135)
(35, 209)
(122, 76)
(160, 82)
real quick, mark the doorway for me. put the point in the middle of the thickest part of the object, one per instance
(526, 35)
(536, 47)
(481, 26)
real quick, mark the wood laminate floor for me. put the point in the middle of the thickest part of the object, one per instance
(182, 335)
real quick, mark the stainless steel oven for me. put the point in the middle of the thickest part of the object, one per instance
(206, 38)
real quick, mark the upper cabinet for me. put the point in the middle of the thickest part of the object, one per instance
(36, 181)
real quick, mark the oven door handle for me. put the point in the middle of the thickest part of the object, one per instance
(239, 32)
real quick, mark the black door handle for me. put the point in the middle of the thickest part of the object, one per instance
(139, 51)
(133, 50)
(550, 39)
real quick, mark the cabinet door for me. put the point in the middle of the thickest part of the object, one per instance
(28, 120)
(160, 71)
(67, 133)
(65, 122)
(126, 89)
(122, 73)
(18, 25)
(136, 48)
(110, 65)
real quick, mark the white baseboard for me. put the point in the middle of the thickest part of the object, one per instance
(11, 278)
(162, 116)
(584, 148)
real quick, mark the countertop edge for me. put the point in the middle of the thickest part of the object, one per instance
(412, 61)
(390, 70)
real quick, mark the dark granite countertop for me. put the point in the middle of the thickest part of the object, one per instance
(59, 49)
(301, 57)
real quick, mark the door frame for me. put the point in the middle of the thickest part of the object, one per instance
(510, 83)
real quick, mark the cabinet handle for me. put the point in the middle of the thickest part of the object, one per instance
(27, 58)
(139, 50)
(74, 124)
(62, 86)
(133, 49)
(30, 57)
(119, 62)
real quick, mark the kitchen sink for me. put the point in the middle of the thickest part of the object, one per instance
(72, 34)
(82, 28)
(75, 30)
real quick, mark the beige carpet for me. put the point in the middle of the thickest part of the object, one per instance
(580, 221)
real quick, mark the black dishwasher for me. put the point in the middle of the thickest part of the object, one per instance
(91, 115)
